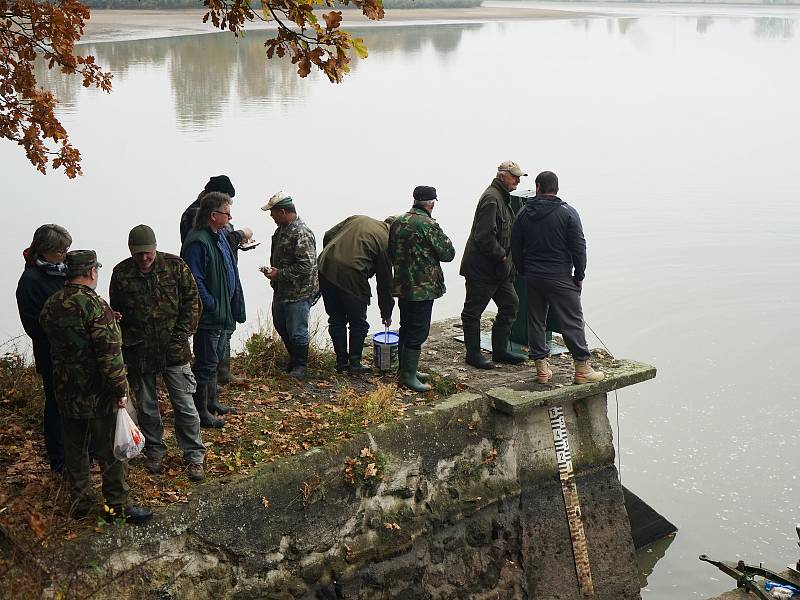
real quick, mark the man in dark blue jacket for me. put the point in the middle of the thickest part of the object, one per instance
(549, 249)
(209, 255)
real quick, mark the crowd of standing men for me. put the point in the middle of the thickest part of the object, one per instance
(93, 355)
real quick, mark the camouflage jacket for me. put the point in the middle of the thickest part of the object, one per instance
(160, 311)
(86, 347)
(417, 245)
(294, 254)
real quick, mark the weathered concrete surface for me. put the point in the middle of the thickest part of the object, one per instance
(514, 388)
(469, 506)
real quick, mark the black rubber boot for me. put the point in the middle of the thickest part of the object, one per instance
(224, 367)
(207, 420)
(290, 351)
(212, 402)
(356, 350)
(299, 370)
(339, 339)
(472, 341)
(500, 349)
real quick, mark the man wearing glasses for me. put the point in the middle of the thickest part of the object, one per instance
(489, 272)
(208, 253)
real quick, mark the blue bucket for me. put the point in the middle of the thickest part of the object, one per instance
(385, 346)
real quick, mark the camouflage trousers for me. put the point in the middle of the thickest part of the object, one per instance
(77, 433)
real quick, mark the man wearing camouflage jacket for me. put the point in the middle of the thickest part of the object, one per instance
(90, 385)
(294, 279)
(417, 245)
(157, 297)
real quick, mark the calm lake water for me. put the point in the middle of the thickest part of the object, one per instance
(673, 131)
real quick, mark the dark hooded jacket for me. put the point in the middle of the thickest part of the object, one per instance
(547, 240)
(37, 284)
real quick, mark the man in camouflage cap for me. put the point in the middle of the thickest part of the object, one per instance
(417, 245)
(157, 297)
(489, 270)
(294, 279)
(90, 384)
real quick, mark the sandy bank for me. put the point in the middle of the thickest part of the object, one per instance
(112, 25)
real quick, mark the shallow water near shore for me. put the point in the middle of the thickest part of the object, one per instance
(674, 136)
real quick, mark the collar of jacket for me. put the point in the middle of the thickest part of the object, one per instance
(80, 285)
(498, 185)
(420, 211)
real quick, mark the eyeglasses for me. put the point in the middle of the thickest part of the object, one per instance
(219, 212)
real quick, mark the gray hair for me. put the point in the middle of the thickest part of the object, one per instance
(211, 202)
(49, 238)
(426, 204)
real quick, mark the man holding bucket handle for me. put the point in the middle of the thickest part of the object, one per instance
(352, 252)
(294, 279)
(417, 245)
(489, 272)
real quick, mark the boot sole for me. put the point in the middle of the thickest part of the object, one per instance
(582, 380)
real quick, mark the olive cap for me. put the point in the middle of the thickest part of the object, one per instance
(141, 239)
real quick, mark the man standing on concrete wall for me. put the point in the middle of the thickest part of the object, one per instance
(210, 258)
(489, 272)
(417, 245)
(549, 249)
(90, 384)
(294, 279)
(353, 251)
(157, 297)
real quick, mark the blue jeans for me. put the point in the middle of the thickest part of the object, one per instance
(209, 348)
(291, 321)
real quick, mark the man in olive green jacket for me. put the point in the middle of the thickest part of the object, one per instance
(353, 251)
(489, 272)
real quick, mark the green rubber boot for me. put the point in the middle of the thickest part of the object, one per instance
(407, 376)
(423, 377)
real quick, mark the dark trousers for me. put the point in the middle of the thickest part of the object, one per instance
(53, 427)
(415, 322)
(100, 430)
(209, 348)
(344, 309)
(478, 295)
(562, 297)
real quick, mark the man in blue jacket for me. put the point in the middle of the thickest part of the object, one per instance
(549, 249)
(210, 258)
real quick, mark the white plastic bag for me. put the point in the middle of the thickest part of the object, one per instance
(128, 440)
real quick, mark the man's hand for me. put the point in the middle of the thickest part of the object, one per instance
(118, 315)
(387, 321)
(272, 274)
(578, 283)
(122, 402)
(248, 234)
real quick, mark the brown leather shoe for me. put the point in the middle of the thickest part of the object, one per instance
(195, 471)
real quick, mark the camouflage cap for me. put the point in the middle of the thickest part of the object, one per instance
(279, 200)
(80, 261)
(141, 239)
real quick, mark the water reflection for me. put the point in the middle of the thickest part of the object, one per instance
(648, 557)
(206, 71)
(775, 27)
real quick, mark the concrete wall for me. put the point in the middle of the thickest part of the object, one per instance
(469, 506)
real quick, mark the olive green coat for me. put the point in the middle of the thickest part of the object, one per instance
(487, 255)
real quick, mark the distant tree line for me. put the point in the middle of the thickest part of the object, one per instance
(168, 4)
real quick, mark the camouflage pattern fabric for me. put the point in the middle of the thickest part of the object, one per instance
(86, 347)
(294, 254)
(160, 312)
(417, 245)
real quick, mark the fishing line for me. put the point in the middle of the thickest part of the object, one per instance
(616, 402)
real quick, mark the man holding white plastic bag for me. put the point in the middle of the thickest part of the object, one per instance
(90, 386)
